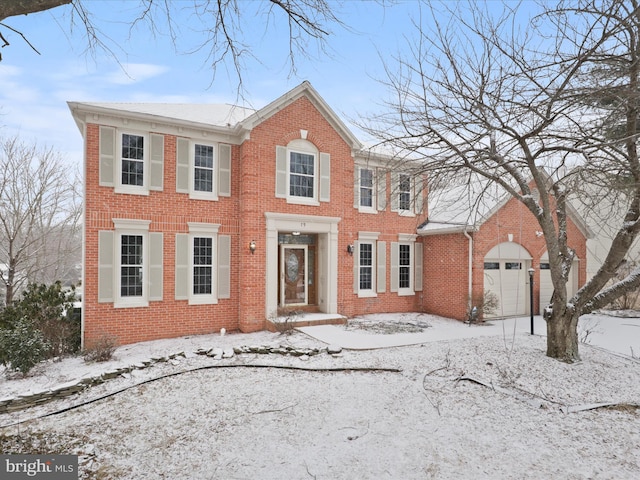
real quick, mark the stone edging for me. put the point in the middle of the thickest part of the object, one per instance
(22, 402)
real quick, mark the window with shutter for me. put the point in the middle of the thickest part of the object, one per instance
(197, 255)
(303, 174)
(136, 256)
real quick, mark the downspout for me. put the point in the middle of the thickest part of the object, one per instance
(470, 278)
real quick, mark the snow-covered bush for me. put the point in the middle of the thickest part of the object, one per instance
(22, 346)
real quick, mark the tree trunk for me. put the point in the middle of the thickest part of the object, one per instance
(562, 337)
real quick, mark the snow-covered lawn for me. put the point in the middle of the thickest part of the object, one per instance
(407, 402)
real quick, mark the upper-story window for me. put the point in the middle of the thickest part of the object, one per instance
(366, 189)
(407, 196)
(302, 173)
(404, 192)
(131, 162)
(203, 170)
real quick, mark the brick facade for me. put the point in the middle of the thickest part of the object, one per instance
(252, 212)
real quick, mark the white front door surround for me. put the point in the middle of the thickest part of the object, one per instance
(326, 228)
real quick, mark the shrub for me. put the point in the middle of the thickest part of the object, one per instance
(102, 350)
(486, 304)
(22, 346)
(49, 309)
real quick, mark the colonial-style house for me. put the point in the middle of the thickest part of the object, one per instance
(203, 217)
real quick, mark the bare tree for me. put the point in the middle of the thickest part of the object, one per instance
(221, 24)
(39, 216)
(514, 100)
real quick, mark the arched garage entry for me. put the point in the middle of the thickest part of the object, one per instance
(505, 275)
(546, 287)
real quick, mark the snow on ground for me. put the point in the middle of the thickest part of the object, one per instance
(251, 417)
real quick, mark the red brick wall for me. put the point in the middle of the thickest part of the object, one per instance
(446, 273)
(242, 217)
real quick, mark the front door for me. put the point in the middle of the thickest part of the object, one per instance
(293, 275)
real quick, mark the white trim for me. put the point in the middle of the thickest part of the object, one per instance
(374, 191)
(313, 200)
(197, 194)
(369, 238)
(146, 164)
(326, 228)
(137, 228)
(204, 230)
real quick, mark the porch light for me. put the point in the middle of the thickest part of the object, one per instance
(350, 249)
(252, 246)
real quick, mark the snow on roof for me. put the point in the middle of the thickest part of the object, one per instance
(217, 115)
(465, 206)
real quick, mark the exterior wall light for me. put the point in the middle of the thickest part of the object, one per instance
(350, 249)
(252, 246)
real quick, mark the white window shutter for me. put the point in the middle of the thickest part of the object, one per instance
(356, 267)
(182, 266)
(325, 177)
(224, 170)
(281, 172)
(356, 187)
(419, 203)
(182, 165)
(156, 261)
(395, 268)
(106, 266)
(156, 162)
(224, 266)
(381, 267)
(381, 184)
(395, 191)
(417, 259)
(107, 144)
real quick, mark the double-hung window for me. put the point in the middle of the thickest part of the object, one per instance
(203, 170)
(131, 162)
(366, 190)
(199, 271)
(406, 265)
(202, 283)
(203, 159)
(404, 192)
(407, 197)
(366, 266)
(302, 173)
(133, 156)
(130, 263)
(369, 266)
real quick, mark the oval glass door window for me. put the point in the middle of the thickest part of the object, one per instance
(293, 267)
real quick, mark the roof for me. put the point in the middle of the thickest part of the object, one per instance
(222, 117)
(466, 206)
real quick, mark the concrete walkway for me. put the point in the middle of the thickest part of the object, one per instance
(620, 335)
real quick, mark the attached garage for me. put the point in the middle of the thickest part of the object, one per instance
(546, 286)
(506, 276)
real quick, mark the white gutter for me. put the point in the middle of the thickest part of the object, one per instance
(470, 278)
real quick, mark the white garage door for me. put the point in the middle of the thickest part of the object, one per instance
(546, 286)
(505, 275)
